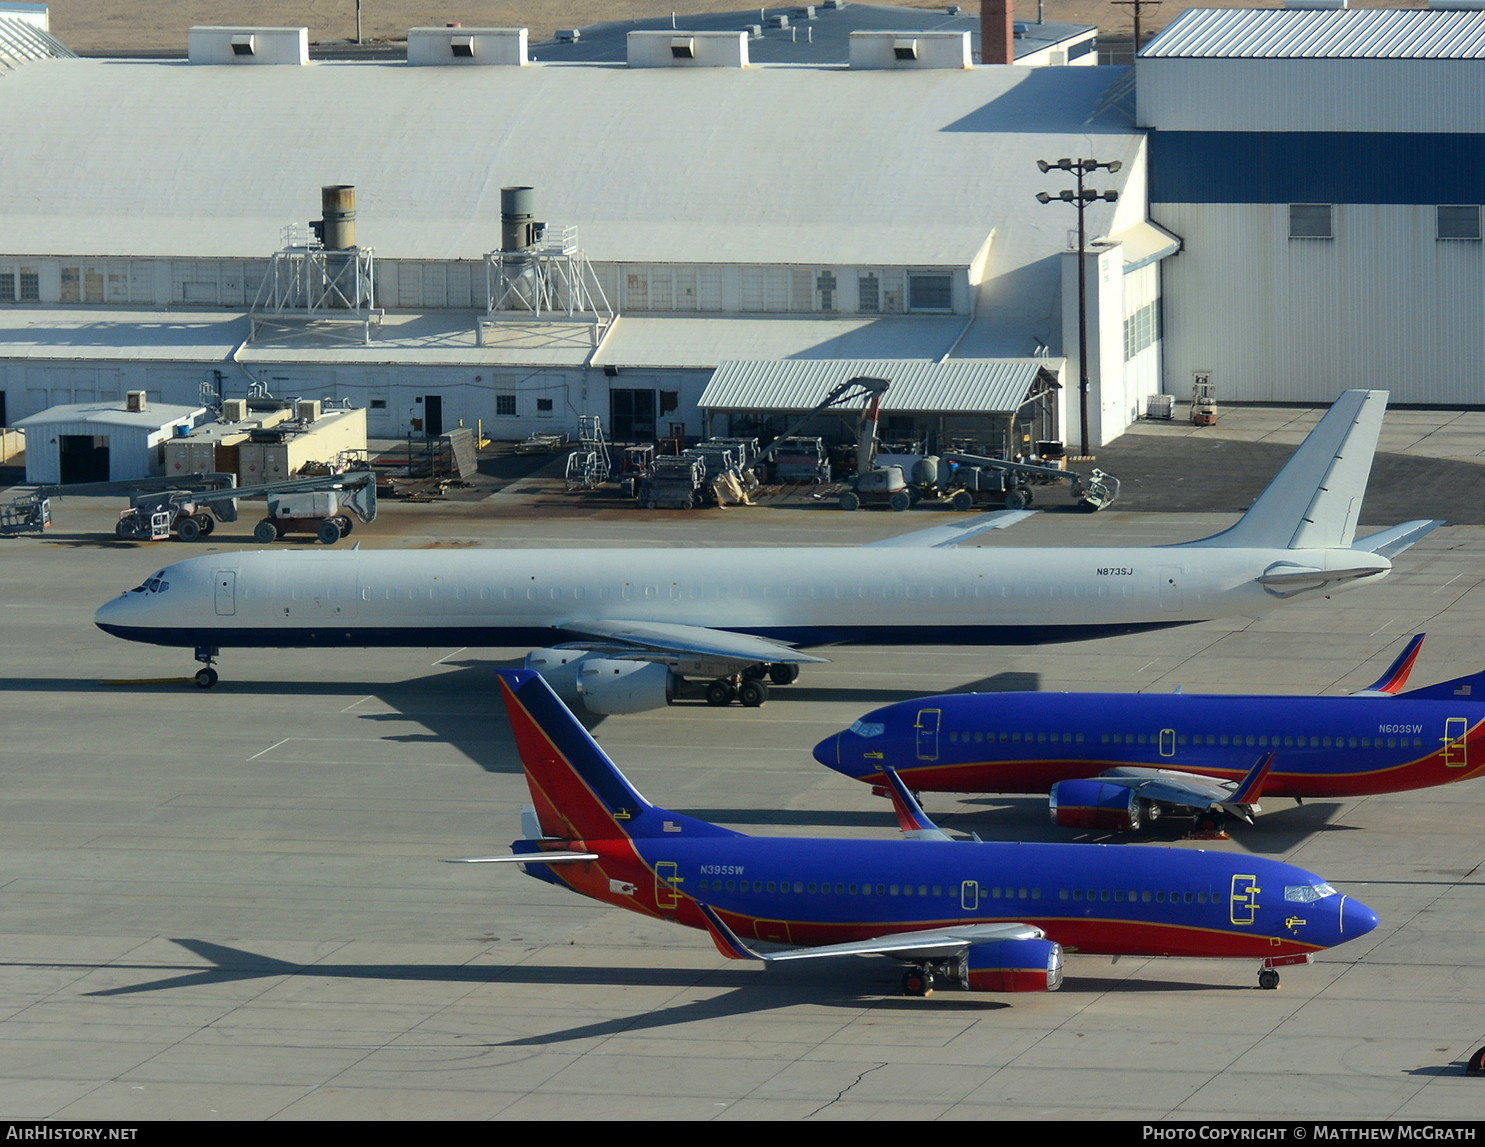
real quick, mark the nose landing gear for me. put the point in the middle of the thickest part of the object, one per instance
(206, 677)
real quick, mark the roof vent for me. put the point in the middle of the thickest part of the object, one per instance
(920, 50)
(467, 47)
(778, 20)
(754, 31)
(807, 12)
(136, 401)
(211, 45)
(569, 35)
(833, 5)
(682, 49)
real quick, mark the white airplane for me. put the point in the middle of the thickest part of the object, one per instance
(625, 630)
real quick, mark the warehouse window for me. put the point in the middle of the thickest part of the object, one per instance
(505, 406)
(1310, 221)
(870, 288)
(930, 293)
(1461, 222)
(7, 287)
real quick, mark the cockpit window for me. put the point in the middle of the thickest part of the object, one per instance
(1307, 893)
(868, 728)
(153, 584)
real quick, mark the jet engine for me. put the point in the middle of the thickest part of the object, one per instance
(611, 686)
(602, 683)
(1095, 804)
(1013, 966)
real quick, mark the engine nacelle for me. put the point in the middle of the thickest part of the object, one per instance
(1095, 804)
(612, 686)
(602, 683)
(559, 669)
(1014, 966)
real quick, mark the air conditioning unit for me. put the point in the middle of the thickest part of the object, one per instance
(234, 410)
(136, 401)
(307, 409)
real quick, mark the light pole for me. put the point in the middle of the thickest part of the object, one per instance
(1080, 199)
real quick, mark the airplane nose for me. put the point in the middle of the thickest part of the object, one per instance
(827, 752)
(1356, 919)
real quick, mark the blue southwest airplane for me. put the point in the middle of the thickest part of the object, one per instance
(1112, 760)
(982, 916)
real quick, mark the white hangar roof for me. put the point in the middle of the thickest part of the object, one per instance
(1345, 34)
(767, 165)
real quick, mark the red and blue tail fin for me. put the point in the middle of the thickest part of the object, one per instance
(1397, 674)
(578, 791)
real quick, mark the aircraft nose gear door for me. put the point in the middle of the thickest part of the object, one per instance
(927, 726)
(226, 593)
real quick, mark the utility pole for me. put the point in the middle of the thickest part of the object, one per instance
(1080, 200)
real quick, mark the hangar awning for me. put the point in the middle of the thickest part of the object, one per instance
(964, 386)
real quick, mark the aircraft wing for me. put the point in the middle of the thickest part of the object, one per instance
(955, 532)
(931, 944)
(668, 637)
(1191, 790)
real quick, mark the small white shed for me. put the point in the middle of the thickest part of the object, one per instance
(101, 441)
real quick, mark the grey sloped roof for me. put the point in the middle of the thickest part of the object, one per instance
(962, 386)
(1320, 34)
(770, 165)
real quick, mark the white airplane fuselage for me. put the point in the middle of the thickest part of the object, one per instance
(803, 595)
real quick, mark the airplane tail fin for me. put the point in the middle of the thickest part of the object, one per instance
(1314, 501)
(579, 793)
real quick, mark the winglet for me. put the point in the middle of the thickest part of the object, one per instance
(1248, 790)
(725, 938)
(1392, 681)
(911, 818)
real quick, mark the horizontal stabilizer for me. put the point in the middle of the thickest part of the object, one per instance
(1390, 543)
(527, 858)
(935, 537)
(669, 637)
(1284, 579)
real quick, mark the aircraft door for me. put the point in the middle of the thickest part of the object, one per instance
(927, 727)
(1243, 901)
(1172, 596)
(1167, 742)
(667, 883)
(226, 593)
(969, 895)
(1456, 752)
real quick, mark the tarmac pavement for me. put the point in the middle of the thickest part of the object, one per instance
(230, 904)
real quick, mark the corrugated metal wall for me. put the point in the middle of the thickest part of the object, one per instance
(1382, 304)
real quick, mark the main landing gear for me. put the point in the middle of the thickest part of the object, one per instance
(917, 981)
(1268, 979)
(206, 677)
(749, 687)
